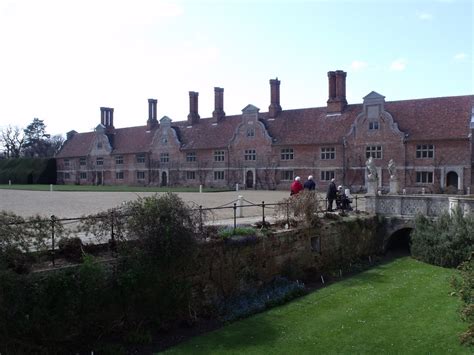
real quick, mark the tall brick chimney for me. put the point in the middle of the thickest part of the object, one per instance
(274, 109)
(193, 116)
(152, 121)
(107, 120)
(337, 91)
(218, 113)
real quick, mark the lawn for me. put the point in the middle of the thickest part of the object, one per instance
(402, 307)
(107, 188)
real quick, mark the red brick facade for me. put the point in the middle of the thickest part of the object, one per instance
(430, 141)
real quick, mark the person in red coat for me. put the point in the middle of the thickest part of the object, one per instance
(296, 186)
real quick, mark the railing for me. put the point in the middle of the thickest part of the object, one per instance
(33, 237)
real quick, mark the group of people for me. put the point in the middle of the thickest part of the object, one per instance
(338, 194)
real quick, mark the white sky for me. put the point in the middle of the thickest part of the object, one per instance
(62, 60)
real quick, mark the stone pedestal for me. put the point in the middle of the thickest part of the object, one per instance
(372, 187)
(393, 187)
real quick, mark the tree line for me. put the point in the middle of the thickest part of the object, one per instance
(32, 141)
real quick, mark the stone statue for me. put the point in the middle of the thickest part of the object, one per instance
(392, 169)
(371, 168)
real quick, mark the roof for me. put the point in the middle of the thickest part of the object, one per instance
(422, 119)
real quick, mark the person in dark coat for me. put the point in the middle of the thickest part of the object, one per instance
(296, 186)
(331, 194)
(309, 184)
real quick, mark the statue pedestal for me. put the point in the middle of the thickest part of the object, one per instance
(372, 187)
(393, 187)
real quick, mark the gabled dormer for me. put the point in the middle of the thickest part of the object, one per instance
(374, 105)
(100, 144)
(251, 128)
(165, 135)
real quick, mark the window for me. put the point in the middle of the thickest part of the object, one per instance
(140, 175)
(119, 159)
(99, 145)
(191, 156)
(250, 154)
(328, 153)
(219, 155)
(425, 151)
(140, 158)
(83, 176)
(250, 132)
(82, 161)
(190, 175)
(373, 125)
(218, 175)
(164, 158)
(287, 154)
(327, 175)
(119, 175)
(66, 163)
(374, 151)
(287, 175)
(67, 176)
(424, 177)
(99, 161)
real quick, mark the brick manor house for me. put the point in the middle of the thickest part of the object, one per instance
(430, 140)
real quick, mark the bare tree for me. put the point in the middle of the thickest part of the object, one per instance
(12, 139)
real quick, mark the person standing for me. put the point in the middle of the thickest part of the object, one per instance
(309, 184)
(296, 186)
(331, 194)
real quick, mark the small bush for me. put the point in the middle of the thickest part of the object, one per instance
(447, 241)
(71, 249)
(303, 207)
(464, 286)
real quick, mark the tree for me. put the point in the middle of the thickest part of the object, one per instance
(37, 143)
(12, 139)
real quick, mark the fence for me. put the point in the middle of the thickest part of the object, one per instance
(40, 235)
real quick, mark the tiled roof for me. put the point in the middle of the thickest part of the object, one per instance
(433, 118)
(422, 119)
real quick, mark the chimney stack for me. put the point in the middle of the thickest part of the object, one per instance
(218, 113)
(107, 120)
(337, 91)
(193, 116)
(107, 117)
(152, 121)
(274, 109)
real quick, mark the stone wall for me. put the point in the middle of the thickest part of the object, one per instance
(227, 267)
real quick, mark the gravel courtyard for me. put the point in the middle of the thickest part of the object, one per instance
(64, 204)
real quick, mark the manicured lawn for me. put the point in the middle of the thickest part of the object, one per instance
(402, 307)
(106, 188)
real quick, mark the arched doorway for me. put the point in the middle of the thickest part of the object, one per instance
(249, 179)
(164, 179)
(452, 179)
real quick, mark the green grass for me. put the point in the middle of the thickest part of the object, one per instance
(38, 187)
(402, 307)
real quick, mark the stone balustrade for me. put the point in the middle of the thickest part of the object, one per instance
(408, 206)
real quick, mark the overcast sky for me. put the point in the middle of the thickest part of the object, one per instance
(60, 61)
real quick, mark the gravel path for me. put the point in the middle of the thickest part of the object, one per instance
(64, 204)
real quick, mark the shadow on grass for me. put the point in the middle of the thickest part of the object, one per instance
(257, 331)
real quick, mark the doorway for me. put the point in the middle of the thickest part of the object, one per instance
(249, 179)
(452, 180)
(164, 179)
